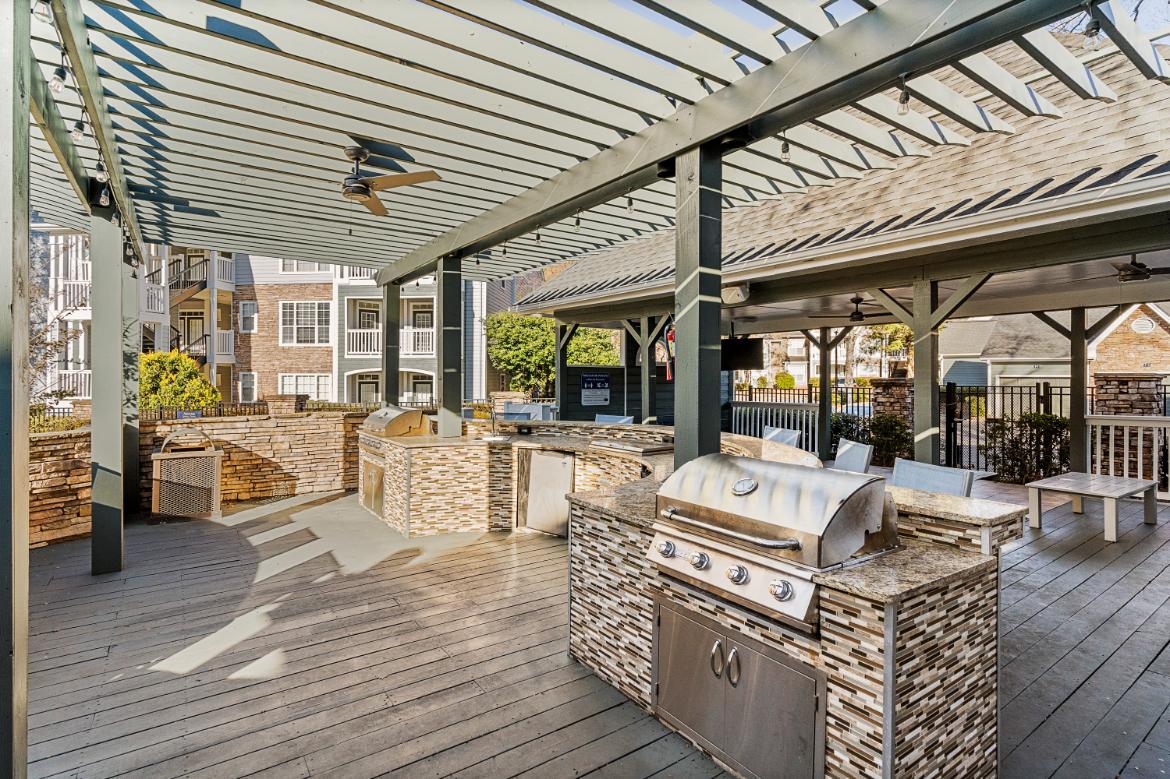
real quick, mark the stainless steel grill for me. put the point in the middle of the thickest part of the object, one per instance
(755, 532)
(393, 421)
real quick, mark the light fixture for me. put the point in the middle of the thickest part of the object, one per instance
(78, 131)
(104, 197)
(577, 224)
(785, 149)
(629, 205)
(1092, 40)
(57, 82)
(100, 172)
(504, 250)
(42, 11)
(538, 237)
(904, 99)
(477, 259)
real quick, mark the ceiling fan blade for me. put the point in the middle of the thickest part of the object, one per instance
(380, 183)
(375, 206)
(1128, 266)
(1158, 271)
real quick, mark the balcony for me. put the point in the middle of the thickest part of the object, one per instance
(417, 342)
(225, 345)
(225, 272)
(154, 298)
(363, 343)
(75, 384)
(72, 294)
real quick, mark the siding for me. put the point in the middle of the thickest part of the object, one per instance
(968, 372)
(254, 269)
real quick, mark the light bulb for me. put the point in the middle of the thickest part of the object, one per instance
(904, 102)
(577, 224)
(42, 12)
(504, 250)
(538, 237)
(1092, 40)
(629, 205)
(104, 198)
(101, 174)
(785, 151)
(57, 82)
(78, 131)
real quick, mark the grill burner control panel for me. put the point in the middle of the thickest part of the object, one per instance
(751, 580)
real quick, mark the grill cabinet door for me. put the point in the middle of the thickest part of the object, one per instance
(771, 716)
(690, 692)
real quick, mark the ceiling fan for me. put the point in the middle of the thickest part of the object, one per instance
(362, 188)
(856, 315)
(1131, 271)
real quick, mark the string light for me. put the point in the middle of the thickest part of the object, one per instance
(78, 131)
(57, 82)
(629, 205)
(504, 250)
(1092, 40)
(904, 99)
(104, 198)
(785, 149)
(42, 12)
(538, 237)
(577, 224)
(101, 174)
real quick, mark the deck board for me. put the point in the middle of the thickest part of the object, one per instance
(245, 649)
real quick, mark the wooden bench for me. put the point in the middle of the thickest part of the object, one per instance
(1087, 485)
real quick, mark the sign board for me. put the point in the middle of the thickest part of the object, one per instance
(188, 414)
(594, 389)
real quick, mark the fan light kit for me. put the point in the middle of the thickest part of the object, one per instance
(363, 189)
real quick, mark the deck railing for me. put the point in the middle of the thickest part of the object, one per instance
(75, 384)
(225, 343)
(226, 270)
(154, 298)
(1130, 446)
(73, 294)
(417, 341)
(364, 342)
(751, 419)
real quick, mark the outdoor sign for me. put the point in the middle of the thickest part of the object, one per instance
(594, 389)
(188, 414)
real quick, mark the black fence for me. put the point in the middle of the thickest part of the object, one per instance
(213, 410)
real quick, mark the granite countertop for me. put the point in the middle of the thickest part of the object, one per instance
(917, 566)
(634, 501)
(972, 511)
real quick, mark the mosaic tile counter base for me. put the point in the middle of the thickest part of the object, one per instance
(935, 716)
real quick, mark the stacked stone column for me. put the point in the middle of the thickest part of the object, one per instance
(1127, 394)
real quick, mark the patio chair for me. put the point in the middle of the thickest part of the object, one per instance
(517, 416)
(932, 478)
(786, 453)
(852, 456)
(782, 435)
(613, 419)
(536, 411)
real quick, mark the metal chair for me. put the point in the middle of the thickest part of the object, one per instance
(932, 478)
(852, 456)
(782, 435)
(516, 416)
(535, 411)
(613, 419)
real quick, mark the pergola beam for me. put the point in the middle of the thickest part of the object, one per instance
(70, 23)
(48, 117)
(899, 37)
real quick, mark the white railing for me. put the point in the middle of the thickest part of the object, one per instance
(225, 343)
(362, 342)
(351, 272)
(750, 418)
(225, 271)
(417, 340)
(154, 298)
(1129, 445)
(75, 384)
(74, 294)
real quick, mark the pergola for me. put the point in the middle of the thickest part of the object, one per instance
(558, 127)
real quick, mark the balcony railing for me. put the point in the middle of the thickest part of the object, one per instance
(225, 343)
(417, 341)
(359, 343)
(73, 294)
(75, 384)
(226, 270)
(350, 272)
(154, 298)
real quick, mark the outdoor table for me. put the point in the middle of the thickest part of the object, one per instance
(1087, 485)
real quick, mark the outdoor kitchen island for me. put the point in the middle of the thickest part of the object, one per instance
(891, 672)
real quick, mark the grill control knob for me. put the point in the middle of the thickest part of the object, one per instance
(699, 560)
(666, 548)
(738, 574)
(780, 589)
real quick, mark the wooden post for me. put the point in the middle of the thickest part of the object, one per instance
(448, 346)
(825, 346)
(926, 411)
(391, 348)
(131, 349)
(697, 304)
(648, 326)
(562, 334)
(106, 258)
(1078, 444)
(15, 63)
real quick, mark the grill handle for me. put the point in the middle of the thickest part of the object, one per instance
(768, 543)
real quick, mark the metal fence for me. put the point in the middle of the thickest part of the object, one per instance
(325, 405)
(213, 410)
(856, 401)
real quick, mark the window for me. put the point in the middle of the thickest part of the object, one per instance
(316, 385)
(247, 387)
(300, 266)
(247, 316)
(367, 316)
(304, 323)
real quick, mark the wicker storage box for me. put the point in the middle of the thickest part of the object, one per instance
(186, 481)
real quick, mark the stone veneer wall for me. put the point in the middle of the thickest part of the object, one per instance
(1126, 394)
(961, 535)
(59, 486)
(894, 396)
(268, 456)
(478, 428)
(611, 631)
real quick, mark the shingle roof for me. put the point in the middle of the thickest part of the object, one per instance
(965, 337)
(1094, 146)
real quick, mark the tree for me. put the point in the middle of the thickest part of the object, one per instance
(524, 348)
(892, 340)
(173, 380)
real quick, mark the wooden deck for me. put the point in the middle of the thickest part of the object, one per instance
(305, 638)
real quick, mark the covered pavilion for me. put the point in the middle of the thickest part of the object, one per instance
(557, 129)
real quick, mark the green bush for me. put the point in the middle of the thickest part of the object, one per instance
(891, 437)
(851, 426)
(862, 381)
(38, 423)
(173, 380)
(762, 382)
(784, 380)
(1031, 447)
(976, 406)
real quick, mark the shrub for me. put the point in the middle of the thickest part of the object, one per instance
(891, 437)
(1028, 448)
(862, 381)
(38, 423)
(762, 382)
(851, 426)
(784, 380)
(173, 380)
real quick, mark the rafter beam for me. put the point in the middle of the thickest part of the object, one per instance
(900, 37)
(1123, 30)
(45, 113)
(70, 22)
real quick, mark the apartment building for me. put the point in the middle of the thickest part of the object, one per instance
(263, 325)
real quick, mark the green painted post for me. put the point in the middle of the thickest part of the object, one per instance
(106, 258)
(391, 348)
(825, 395)
(131, 349)
(697, 304)
(926, 409)
(1078, 406)
(649, 380)
(449, 345)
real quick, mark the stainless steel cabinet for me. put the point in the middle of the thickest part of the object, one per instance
(753, 707)
(544, 478)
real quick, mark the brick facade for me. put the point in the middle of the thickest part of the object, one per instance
(261, 352)
(1124, 350)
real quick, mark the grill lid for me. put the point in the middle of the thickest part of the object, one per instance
(817, 517)
(393, 421)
